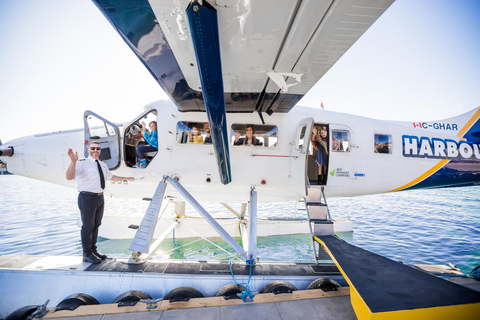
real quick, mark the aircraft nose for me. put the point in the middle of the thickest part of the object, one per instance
(6, 151)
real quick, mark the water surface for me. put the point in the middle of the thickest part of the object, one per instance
(433, 226)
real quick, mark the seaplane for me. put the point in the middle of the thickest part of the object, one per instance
(234, 72)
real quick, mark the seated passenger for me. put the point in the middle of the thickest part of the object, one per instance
(151, 138)
(249, 139)
(208, 138)
(195, 136)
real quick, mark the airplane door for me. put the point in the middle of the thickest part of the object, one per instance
(298, 167)
(106, 134)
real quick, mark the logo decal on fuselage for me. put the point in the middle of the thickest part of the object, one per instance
(424, 147)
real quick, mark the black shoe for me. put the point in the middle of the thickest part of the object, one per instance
(91, 258)
(101, 256)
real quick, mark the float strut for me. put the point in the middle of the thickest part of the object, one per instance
(252, 226)
(228, 239)
(144, 235)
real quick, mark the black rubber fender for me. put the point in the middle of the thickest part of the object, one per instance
(325, 284)
(183, 294)
(132, 296)
(22, 313)
(76, 300)
(229, 290)
(279, 286)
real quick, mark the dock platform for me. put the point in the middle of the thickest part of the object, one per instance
(296, 305)
(372, 287)
(381, 288)
(31, 280)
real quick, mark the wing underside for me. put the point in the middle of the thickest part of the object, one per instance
(272, 51)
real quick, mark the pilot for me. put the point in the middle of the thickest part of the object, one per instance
(151, 138)
(249, 139)
(194, 136)
(91, 174)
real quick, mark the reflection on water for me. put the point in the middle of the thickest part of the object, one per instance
(424, 226)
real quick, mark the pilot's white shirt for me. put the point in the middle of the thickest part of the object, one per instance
(86, 174)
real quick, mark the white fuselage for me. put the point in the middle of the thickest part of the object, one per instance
(277, 172)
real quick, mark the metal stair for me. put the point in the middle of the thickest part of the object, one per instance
(319, 220)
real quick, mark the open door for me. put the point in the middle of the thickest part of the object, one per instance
(106, 134)
(298, 166)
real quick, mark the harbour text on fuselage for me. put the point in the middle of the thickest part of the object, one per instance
(436, 148)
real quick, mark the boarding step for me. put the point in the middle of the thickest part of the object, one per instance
(314, 195)
(317, 211)
(323, 228)
(319, 216)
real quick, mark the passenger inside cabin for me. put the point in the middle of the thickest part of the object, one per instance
(320, 142)
(208, 137)
(195, 136)
(249, 139)
(151, 138)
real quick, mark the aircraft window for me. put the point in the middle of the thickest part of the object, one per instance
(99, 129)
(340, 140)
(301, 137)
(193, 132)
(263, 135)
(134, 139)
(382, 143)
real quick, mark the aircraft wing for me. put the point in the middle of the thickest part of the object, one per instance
(272, 51)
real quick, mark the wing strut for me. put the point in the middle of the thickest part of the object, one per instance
(203, 22)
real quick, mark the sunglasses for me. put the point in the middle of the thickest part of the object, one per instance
(95, 148)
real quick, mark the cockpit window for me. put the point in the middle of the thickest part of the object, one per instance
(259, 135)
(382, 143)
(193, 132)
(98, 128)
(340, 140)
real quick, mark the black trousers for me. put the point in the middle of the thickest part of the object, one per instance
(91, 209)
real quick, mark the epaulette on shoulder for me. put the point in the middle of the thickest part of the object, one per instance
(81, 160)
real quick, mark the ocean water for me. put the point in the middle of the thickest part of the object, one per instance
(434, 226)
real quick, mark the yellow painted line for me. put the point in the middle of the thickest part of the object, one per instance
(457, 312)
(469, 124)
(443, 162)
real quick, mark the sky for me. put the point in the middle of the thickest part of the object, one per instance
(419, 62)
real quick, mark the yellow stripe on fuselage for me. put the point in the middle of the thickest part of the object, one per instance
(424, 176)
(469, 124)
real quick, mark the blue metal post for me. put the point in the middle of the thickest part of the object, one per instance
(203, 22)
